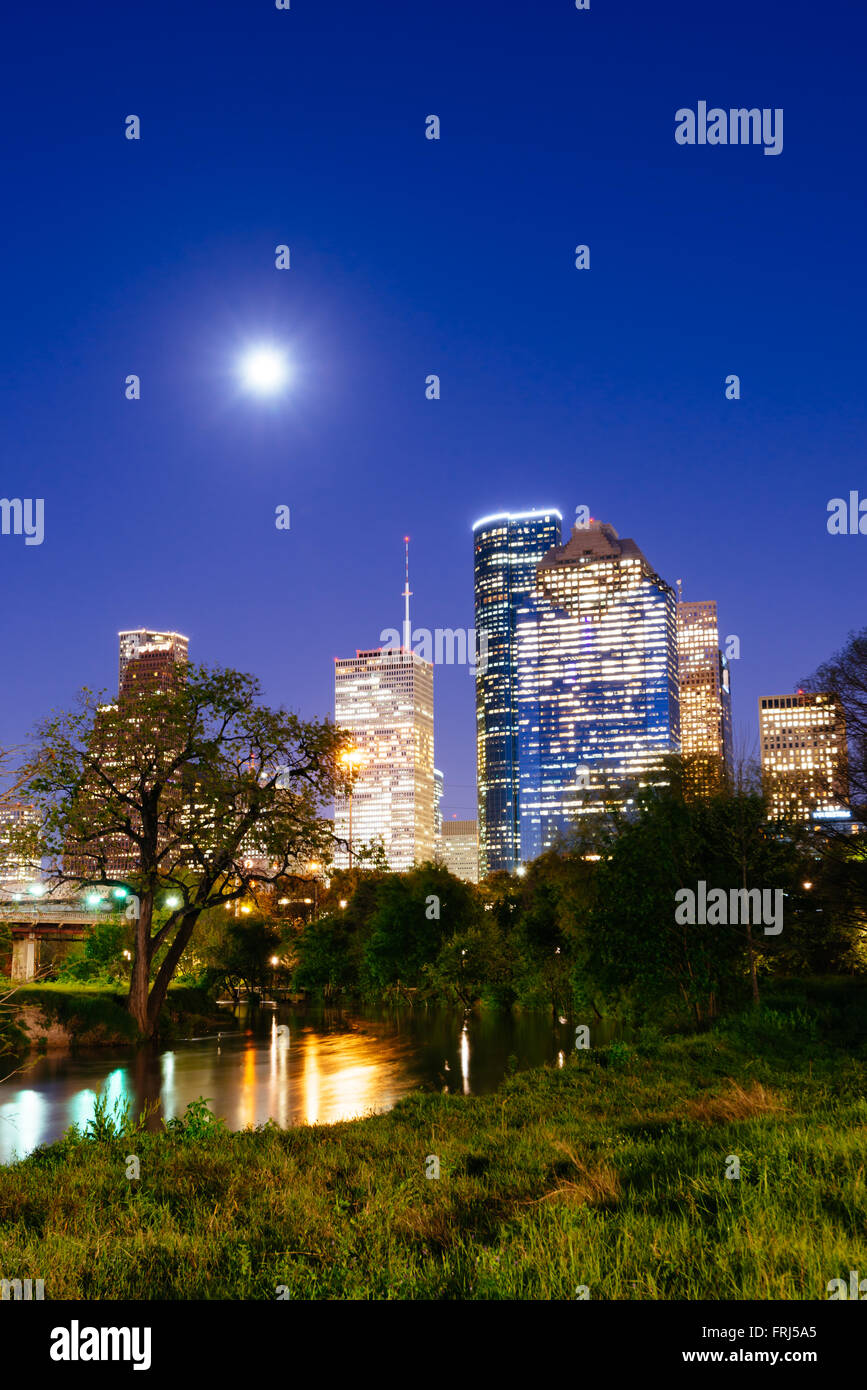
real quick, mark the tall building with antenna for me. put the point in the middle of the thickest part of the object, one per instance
(383, 698)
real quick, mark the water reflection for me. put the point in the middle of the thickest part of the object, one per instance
(310, 1066)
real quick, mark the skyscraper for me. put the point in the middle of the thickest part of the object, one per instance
(438, 806)
(384, 699)
(149, 663)
(507, 547)
(147, 660)
(17, 870)
(705, 698)
(460, 849)
(597, 690)
(804, 757)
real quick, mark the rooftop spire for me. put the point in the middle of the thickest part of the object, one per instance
(407, 594)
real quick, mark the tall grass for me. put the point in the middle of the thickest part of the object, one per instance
(608, 1172)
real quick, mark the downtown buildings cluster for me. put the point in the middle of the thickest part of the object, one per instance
(596, 671)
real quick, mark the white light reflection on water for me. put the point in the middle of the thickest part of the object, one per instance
(333, 1066)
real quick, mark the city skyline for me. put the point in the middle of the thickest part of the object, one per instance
(602, 387)
(464, 805)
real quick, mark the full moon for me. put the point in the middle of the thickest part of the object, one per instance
(264, 370)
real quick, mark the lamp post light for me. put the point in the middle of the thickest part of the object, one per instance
(353, 759)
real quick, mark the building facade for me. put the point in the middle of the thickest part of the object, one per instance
(147, 660)
(439, 783)
(384, 699)
(597, 686)
(705, 699)
(17, 871)
(460, 849)
(507, 549)
(804, 757)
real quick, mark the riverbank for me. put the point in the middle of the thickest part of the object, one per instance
(51, 1016)
(608, 1172)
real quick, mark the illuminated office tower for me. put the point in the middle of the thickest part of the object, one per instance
(17, 870)
(705, 699)
(438, 803)
(508, 547)
(149, 663)
(149, 660)
(597, 683)
(460, 849)
(384, 699)
(804, 757)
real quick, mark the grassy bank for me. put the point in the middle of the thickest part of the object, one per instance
(608, 1172)
(96, 1016)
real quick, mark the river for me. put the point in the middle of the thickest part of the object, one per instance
(310, 1065)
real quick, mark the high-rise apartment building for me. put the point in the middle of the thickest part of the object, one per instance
(597, 687)
(705, 699)
(149, 663)
(148, 660)
(384, 699)
(508, 547)
(17, 870)
(804, 757)
(459, 850)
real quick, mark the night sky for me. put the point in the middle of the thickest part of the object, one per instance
(409, 257)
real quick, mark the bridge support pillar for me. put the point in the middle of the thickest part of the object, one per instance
(25, 958)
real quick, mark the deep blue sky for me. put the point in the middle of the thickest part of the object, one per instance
(409, 256)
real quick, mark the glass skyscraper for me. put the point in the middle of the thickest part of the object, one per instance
(507, 547)
(597, 682)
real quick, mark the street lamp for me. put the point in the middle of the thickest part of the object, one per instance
(353, 759)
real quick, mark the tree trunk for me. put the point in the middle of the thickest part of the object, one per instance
(154, 1000)
(754, 979)
(141, 967)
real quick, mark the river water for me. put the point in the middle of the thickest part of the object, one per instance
(295, 1066)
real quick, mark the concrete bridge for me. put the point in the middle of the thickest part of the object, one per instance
(37, 920)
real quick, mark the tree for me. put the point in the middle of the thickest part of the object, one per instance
(188, 797)
(243, 956)
(845, 675)
(470, 963)
(415, 913)
(639, 943)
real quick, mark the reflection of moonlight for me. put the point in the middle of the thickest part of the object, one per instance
(264, 370)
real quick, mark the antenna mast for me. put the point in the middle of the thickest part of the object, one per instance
(407, 594)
